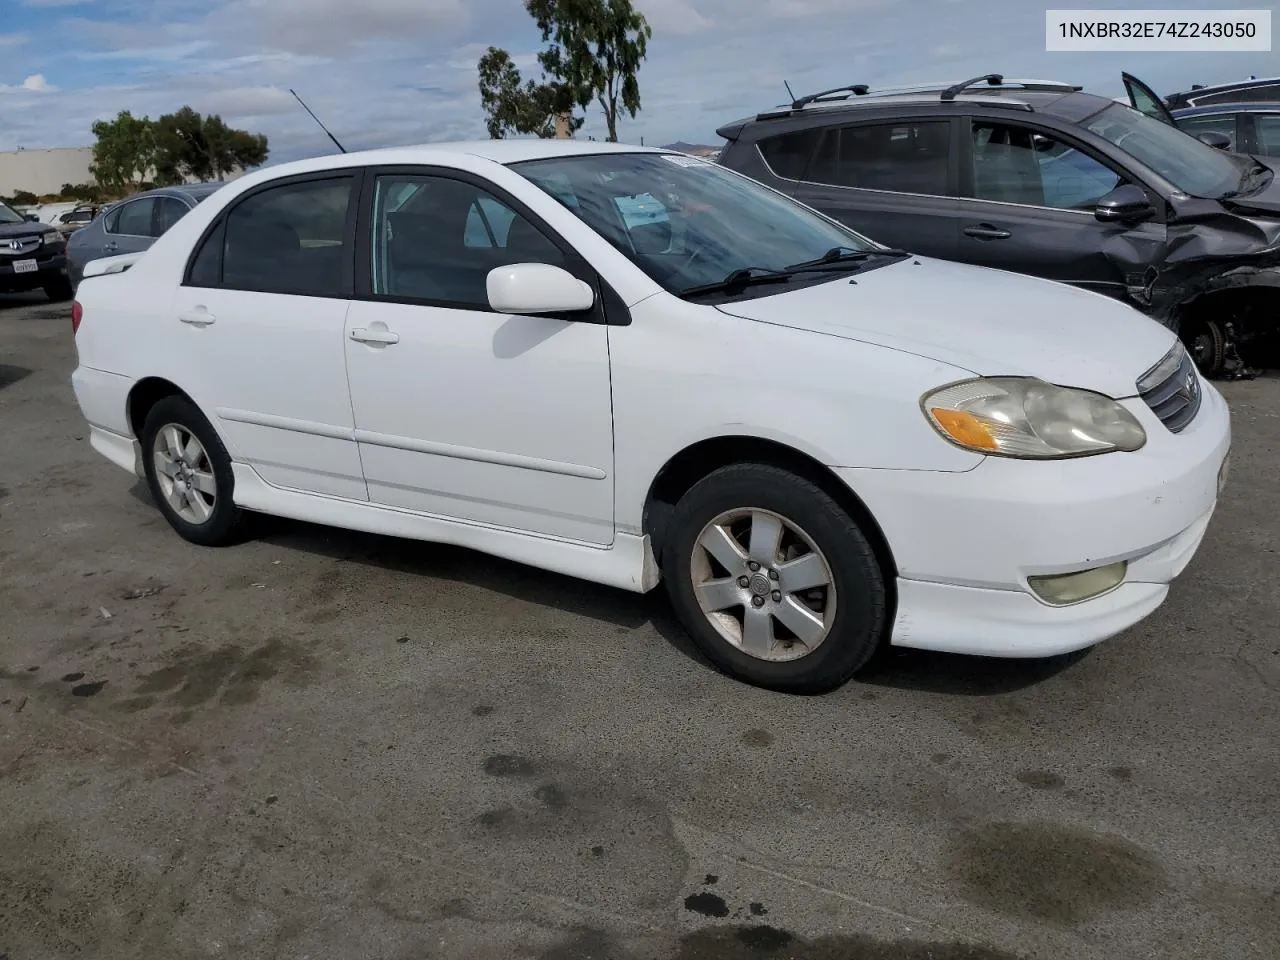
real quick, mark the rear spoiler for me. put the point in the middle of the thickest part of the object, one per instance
(116, 264)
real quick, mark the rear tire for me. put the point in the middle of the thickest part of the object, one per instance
(773, 580)
(60, 290)
(189, 473)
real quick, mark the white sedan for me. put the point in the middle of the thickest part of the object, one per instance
(821, 445)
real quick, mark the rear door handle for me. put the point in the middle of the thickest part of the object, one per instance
(985, 231)
(199, 317)
(365, 335)
(111, 245)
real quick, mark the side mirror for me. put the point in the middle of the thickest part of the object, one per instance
(1216, 139)
(31, 217)
(1125, 203)
(537, 288)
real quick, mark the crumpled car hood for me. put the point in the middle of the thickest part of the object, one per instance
(989, 322)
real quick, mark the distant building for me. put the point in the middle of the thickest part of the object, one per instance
(44, 171)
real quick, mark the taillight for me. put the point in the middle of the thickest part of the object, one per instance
(77, 314)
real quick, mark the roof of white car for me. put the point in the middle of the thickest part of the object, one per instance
(499, 151)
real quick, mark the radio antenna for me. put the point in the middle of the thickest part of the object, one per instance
(789, 93)
(317, 120)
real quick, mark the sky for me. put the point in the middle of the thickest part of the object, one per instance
(387, 72)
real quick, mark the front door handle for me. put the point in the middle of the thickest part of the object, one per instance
(365, 335)
(985, 231)
(111, 245)
(199, 317)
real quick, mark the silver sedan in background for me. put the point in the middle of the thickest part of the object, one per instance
(133, 224)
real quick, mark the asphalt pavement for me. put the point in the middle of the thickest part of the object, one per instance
(322, 744)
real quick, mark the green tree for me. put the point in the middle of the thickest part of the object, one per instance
(191, 146)
(123, 151)
(513, 105)
(596, 50)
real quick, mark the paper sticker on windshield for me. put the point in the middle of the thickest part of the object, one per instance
(682, 161)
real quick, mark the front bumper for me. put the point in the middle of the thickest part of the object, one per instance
(965, 544)
(48, 269)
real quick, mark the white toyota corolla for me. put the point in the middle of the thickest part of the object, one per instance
(628, 365)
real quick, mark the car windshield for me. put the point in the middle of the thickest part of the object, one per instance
(1193, 167)
(686, 222)
(10, 215)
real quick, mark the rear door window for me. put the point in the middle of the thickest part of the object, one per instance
(287, 239)
(1267, 127)
(133, 219)
(903, 157)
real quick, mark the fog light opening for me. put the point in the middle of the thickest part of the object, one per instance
(1062, 589)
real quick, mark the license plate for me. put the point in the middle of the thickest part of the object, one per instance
(25, 266)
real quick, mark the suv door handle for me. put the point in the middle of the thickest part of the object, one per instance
(364, 335)
(111, 245)
(199, 317)
(985, 231)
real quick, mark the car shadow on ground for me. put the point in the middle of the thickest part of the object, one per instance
(9, 374)
(914, 670)
(34, 306)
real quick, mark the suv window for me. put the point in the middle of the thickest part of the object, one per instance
(289, 239)
(788, 155)
(1267, 126)
(1015, 164)
(132, 219)
(436, 239)
(908, 157)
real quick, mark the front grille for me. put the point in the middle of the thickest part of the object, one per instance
(1172, 389)
(19, 246)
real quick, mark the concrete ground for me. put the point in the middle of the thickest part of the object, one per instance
(330, 745)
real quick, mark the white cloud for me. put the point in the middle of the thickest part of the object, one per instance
(13, 39)
(36, 83)
(55, 3)
(672, 17)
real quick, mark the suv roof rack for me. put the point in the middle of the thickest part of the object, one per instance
(947, 90)
(854, 89)
(998, 80)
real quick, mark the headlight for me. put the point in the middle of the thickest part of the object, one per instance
(50, 238)
(1029, 419)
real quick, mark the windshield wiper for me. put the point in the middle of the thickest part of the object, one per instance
(739, 280)
(838, 256)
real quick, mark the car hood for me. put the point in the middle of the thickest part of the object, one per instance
(24, 229)
(1265, 202)
(989, 322)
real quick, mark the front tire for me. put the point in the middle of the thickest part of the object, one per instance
(774, 580)
(1206, 341)
(59, 290)
(189, 473)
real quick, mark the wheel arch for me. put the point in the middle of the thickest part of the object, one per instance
(144, 395)
(699, 459)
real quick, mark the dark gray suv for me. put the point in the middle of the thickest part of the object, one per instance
(1041, 178)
